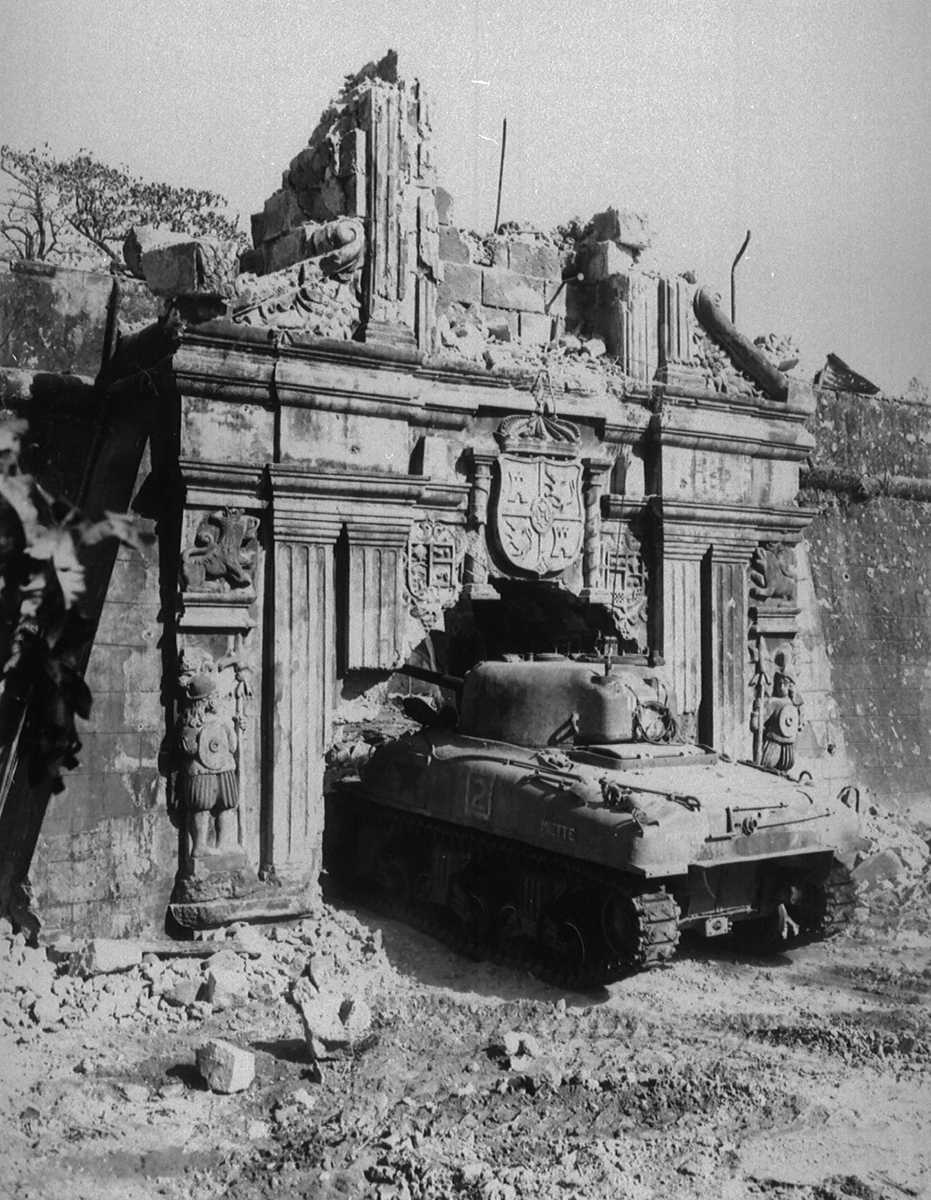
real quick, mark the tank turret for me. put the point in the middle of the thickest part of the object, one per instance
(553, 700)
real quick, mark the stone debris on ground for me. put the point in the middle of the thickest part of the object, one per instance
(892, 870)
(107, 981)
(225, 1068)
(446, 1077)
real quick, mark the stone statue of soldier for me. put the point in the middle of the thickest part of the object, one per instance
(777, 720)
(207, 780)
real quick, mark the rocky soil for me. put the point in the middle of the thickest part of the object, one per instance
(372, 1062)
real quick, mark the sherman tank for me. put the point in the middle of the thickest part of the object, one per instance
(553, 818)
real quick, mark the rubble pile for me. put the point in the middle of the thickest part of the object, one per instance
(167, 984)
(893, 871)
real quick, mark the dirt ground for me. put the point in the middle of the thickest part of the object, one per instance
(805, 1075)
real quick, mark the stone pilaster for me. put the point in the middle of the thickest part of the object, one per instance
(728, 679)
(680, 633)
(299, 695)
(475, 568)
(399, 281)
(594, 478)
(376, 608)
(310, 511)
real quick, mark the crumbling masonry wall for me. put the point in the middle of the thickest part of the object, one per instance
(872, 585)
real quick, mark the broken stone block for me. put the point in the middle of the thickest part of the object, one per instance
(323, 1029)
(498, 358)
(530, 258)
(198, 266)
(453, 247)
(521, 1044)
(105, 955)
(251, 941)
(444, 206)
(626, 228)
(356, 1017)
(224, 1067)
(885, 867)
(182, 993)
(281, 213)
(226, 988)
(505, 289)
(46, 1011)
(135, 1093)
(604, 260)
(142, 239)
(461, 284)
(223, 960)
(536, 329)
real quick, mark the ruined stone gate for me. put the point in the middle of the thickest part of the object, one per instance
(377, 439)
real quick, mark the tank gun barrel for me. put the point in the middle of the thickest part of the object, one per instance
(453, 683)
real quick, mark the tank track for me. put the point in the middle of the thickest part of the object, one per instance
(833, 906)
(571, 948)
(825, 912)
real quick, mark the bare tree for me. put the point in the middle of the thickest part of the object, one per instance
(80, 210)
(31, 216)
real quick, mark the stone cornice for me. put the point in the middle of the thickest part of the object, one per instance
(395, 383)
(315, 505)
(697, 520)
(214, 484)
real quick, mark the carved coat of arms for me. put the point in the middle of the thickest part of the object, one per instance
(433, 569)
(539, 520)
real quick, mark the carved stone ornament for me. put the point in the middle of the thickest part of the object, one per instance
(223, 557)
(625, 580)
(774, 574)
(208, 732)
(538, 521)
(776, 714)
(433, 570)
(541, 432)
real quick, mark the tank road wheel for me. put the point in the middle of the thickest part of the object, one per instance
(393, 877)
(565, 954)
(474, 924)
(509, 936)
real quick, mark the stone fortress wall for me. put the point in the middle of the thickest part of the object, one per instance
(867, 553)
(319, 436)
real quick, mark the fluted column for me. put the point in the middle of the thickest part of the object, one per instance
(681, 622)
(300, 696)
(728, 678)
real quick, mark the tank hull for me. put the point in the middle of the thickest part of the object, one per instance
(613, 848)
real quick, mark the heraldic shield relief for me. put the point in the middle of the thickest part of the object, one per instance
(539, 520)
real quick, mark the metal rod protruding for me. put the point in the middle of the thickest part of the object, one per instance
(504, 144)
(740, 254)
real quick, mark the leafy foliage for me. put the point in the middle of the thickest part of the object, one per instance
(42, 627)
(79, 210)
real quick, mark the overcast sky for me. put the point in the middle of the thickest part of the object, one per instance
(805, 121)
